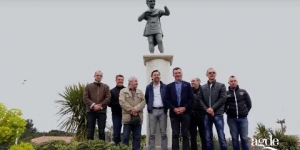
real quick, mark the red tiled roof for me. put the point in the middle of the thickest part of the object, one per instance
(43, 139)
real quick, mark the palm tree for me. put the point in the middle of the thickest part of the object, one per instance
(282, 122)
(261, 132)
(289, 142)
(286, 142)
(73, 110)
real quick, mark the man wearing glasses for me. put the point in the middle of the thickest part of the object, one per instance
(212, 102)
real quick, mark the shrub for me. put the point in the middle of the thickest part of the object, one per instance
(22, 146)
(86, 145)
(51, 145)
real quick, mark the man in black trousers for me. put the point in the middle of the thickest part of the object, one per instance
(197, 117)
(179, 99)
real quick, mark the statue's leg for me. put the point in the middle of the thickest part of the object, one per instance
(159, 41)
(151, 44)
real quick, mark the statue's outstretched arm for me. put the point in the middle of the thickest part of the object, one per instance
(167, 11)
(142, 16)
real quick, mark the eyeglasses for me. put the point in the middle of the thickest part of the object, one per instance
(212, 73)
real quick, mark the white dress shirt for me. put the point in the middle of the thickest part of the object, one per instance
(157, 100)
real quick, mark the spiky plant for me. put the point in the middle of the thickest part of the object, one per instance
(72, 109)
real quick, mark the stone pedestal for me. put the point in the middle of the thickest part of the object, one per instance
(161, 62)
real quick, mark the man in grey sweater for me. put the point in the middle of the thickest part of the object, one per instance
(212, 101)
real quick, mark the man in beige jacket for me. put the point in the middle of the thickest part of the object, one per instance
(132, 101)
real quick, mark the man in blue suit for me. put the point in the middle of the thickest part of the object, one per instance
(157, 111)
(179, 99)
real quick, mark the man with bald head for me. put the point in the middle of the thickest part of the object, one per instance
(212, 101)
(237, 106)
(196, 123)
(132, 101)
(96, 98)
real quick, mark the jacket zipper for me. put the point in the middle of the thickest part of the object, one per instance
(97, 93)
(237, 109)
(210, 95)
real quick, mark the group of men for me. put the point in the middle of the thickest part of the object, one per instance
(192, 108)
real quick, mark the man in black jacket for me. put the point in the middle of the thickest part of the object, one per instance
(213, 101)
(116, 109)
(197, 117)
(238, 105)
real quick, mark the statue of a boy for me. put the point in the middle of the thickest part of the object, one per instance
(153, 27)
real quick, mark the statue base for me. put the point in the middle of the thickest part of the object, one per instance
(162, 63)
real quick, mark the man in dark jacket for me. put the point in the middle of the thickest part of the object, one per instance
(179, 99)
(96, 97)
(197, 117)
(238, 105)
(154, 94)
(213, 101)
(116, 109)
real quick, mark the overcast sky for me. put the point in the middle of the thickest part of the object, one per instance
(53, 44)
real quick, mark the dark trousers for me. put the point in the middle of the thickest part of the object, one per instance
(91, 123)
(197, 124)
(218, 120)
(117, 125)
(180, 124)
(239, 128)
(136, 135)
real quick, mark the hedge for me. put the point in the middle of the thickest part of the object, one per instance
(87, 145)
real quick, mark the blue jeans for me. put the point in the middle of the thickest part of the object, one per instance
(117, 125)
(218, 120)
(136, 135)
(239, 128)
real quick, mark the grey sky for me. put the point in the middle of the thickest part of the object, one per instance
(53, 44)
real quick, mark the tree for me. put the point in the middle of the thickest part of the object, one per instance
(73, 109)
(288, 142)
(30, 131)
(12, 125)
(282, 122)
(261, 131)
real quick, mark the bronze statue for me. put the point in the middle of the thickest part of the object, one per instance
(153, 27)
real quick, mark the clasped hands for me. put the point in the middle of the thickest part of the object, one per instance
(179, 110)
(133, 112)
(210, 111)
(97, 107)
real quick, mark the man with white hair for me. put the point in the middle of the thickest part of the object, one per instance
(132, 101)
